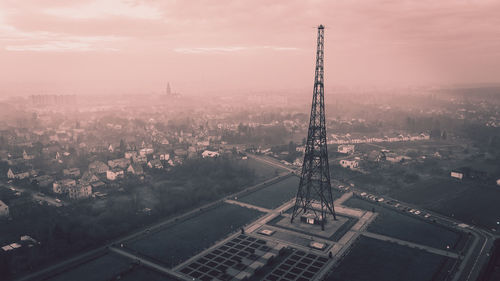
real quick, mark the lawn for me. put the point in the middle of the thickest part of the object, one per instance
(144, 273)
(101, 268)
(262, 170)
(273, 195)
(405, 227)
(468, 201)
(376, 260)
(178, 242)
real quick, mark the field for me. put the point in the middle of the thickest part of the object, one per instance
(384, 261)
(175, 244)
(142, 273)
(274, 195)
(262, 170)
(467, 201)
(405, 227)
(101, 268)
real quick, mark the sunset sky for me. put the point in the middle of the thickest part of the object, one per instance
(125, 46)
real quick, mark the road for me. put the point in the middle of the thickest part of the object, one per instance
(147, 262)
(272, 162)
(38, 197)
(411, 245)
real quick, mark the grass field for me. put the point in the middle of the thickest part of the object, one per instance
(143, 273)
(182, 240)
(262, 170)
(102, 268)
(384, 261)
(274, 195)
(468, 201)
(405, 227)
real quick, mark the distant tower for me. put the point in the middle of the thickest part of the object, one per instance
(169, 91)
(314, 183)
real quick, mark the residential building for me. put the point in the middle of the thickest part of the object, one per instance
(350, 164)
(164, 156)
(80, 191)
(155, 163)
(89, 177)
(4, 209)
(120, 163)
(130, 154)
(71, 172)
(17, 173)
(211, 154)
(98, 167)
(457, 175)
(62, 186)
(140, 159)
(345, 149)
(376, 156)
(114, 174)
(146, 151)
(135, 169)
(26, 156)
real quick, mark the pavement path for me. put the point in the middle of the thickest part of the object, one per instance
(147, 263)
(411, 244)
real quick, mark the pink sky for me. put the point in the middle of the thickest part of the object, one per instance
(115, 46)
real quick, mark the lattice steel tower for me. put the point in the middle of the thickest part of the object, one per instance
(315, 179)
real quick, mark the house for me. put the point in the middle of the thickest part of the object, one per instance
(211, 154)
(97, 184)
(164, 156)
(17, 173)
(98, 167)
(80, 191)
(120, 163)
(140, 159)
(62, 186)
(301, 149)
(4, 209)
(146, 151)
(114, 174)
(192, 152)
(130, 154)
(457, 175)
(135, 169)
(181, 152)
(72, 172)
(350, 164)
(345, 149)
(376, 156)
(89, 177)
(394, 158)
(155, 163)
(26, 156)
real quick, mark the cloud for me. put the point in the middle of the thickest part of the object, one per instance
(229, 49)
(104, 9)
(58, 46)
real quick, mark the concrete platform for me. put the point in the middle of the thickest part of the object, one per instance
(331, 226)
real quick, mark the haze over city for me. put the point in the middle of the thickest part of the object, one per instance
(213, 47)
(249, 140)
